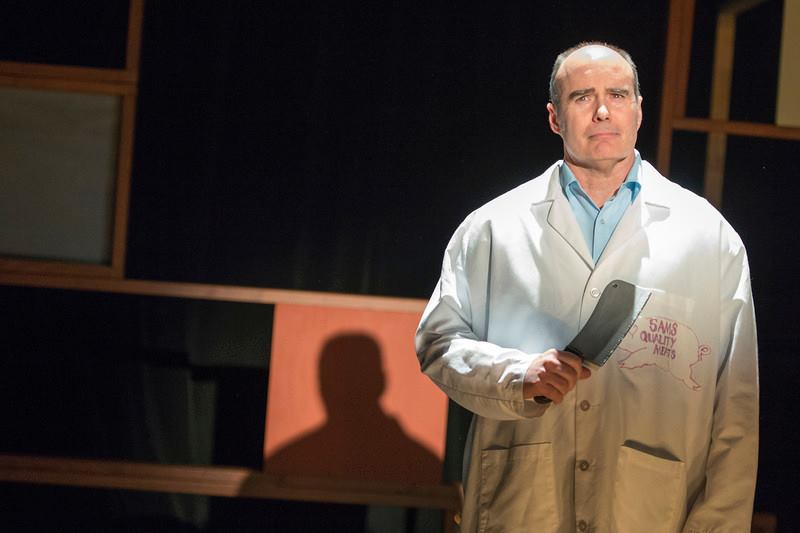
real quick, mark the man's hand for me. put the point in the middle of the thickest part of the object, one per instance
(553, 374)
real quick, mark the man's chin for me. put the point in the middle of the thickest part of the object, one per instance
(600, 159)
(610, 155)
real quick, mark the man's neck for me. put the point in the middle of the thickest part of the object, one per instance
(601, 182)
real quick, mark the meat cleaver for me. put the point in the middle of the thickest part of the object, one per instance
(612, 318)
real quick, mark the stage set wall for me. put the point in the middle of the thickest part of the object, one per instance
(334, 148)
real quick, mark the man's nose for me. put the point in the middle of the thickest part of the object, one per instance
(601, 113)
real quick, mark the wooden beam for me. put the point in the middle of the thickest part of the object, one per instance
(222, 481)
(721, 82)
(133, 43)
(714, 176)
(684, 57)
(735, 7)
(119, 232)
(127, 120)
(722, 69)
(746, 129)
(201, 291)
(62, 84)
(37, 267)
(59, 72)
(676, 73)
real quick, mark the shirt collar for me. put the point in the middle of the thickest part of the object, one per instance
(570, 184)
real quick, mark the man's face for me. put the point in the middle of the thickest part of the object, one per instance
(598, 115)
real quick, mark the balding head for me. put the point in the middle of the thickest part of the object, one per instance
(593, 50)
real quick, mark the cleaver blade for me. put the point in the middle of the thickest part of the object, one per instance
(616, 311)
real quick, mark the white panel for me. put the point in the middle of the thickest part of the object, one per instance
(788, 109)
(58, 155)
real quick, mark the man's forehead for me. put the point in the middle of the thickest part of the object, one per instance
(595, 52)
(591, 55)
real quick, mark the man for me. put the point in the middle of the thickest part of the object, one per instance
(663, 438)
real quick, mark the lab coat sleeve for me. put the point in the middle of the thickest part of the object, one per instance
(726, 503)
(482, 377)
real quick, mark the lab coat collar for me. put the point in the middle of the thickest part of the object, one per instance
(652, 204)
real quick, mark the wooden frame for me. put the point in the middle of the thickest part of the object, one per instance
(119, 82)
(222, 481)
(202, 291)
(675, 86)
(190, 479)
(231, 482)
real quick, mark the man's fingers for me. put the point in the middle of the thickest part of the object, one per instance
(557, 381)
(574, 362)
(549, 391)
(554, 376)
(566, 370)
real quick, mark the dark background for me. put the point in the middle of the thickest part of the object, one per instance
(335, 148)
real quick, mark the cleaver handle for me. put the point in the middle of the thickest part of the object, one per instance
(545, 399)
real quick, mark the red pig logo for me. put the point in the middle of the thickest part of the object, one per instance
(667, 344)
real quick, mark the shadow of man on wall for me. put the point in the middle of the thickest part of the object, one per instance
(358, 440)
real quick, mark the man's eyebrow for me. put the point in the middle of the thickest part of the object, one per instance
(581, 92)
(619, 90)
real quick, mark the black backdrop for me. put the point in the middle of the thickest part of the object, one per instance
(335, 148)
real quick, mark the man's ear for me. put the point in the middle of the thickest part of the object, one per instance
(552, 118)
(640, 112)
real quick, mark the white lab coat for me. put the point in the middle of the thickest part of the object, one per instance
(664, 437)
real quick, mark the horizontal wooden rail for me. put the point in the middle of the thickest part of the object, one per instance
(67, 72)
(74, 85)
(220, 481)
(746, 129)
(202, 291)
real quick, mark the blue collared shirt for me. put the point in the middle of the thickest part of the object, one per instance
(598, 224)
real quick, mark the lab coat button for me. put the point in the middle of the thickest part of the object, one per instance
(583, 465)
(585, 405)
(595, 292)
(582, 525)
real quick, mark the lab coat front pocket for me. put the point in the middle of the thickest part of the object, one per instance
(518, 489)
(648, 493)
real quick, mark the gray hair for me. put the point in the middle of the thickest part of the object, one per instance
(555, 95)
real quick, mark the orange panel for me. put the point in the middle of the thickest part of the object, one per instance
(346, 399)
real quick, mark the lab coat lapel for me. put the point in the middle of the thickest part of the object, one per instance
(651, 205)
(561, 218)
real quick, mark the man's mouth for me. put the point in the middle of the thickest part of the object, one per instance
(602, 134)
